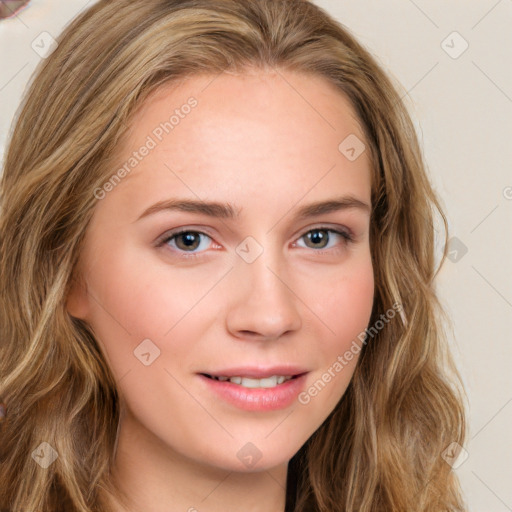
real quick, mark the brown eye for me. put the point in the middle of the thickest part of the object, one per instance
(187, 241)
(319, 238)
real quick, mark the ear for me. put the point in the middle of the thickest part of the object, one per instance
(77, 301)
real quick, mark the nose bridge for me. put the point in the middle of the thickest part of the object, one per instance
(265, 273)
(262, 300)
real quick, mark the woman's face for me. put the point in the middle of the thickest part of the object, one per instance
(259, 285)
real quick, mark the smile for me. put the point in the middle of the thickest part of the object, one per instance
(248, 382)
(268, 393)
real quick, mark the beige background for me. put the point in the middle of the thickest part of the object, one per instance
(461, 101)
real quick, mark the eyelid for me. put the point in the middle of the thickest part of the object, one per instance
(205, 231)
(327, 226)
(184, 229)
(346, 233)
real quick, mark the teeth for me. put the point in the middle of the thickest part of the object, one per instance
(247, 382)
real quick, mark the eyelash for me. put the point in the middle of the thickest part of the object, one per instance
(347, 238)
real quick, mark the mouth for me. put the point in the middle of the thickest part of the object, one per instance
(252, 382)
(256, 389)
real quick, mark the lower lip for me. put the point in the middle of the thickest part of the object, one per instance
(258, 399)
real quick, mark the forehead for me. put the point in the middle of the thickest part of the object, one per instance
(281, 131)
(306, 106)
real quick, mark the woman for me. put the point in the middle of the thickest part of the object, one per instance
(217, 257)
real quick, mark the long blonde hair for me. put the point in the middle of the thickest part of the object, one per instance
(380, 449)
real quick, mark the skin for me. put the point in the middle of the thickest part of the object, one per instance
(267, 143)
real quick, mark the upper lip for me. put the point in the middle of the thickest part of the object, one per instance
(258, 372)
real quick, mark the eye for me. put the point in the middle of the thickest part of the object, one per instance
(186, 241)
(192, 243)
(319, 238)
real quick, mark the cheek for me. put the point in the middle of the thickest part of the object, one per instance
(343, 301)
(143, 297)
(132, 300)
(345, 311)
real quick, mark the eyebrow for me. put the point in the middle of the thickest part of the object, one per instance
(229, 211)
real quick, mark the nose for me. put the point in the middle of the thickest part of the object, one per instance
(262, 305)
